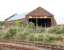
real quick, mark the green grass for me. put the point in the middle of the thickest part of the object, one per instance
(28, 32)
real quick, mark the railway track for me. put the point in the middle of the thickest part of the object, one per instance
(30, 46)
(18, 46)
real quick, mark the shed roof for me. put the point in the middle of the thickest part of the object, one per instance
(39, 12)
(14, 17)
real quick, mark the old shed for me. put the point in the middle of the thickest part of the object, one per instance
(41, 17)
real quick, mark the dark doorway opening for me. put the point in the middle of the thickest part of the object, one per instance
(41, 22)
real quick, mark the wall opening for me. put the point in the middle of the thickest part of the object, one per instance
(41, 21)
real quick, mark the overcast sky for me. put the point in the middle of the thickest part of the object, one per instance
(9, 7)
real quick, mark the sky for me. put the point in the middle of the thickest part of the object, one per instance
(9, 7)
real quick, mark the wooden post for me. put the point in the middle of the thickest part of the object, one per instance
(36, 24)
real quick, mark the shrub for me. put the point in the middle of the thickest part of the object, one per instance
(36, 38)
(50, 39)
(31, 37)
(40, 38)
(10, 33)
(53, 38)
(39, 30)
(30, 25)
(1, 25)
(57, 30)
(23, 36)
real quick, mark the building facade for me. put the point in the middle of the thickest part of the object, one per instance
(41, 17)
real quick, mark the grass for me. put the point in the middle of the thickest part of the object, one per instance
(6, 48)
(29, 33)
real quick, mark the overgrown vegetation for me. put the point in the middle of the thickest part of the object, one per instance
(28, 32)
(10, 33)
(5, 48)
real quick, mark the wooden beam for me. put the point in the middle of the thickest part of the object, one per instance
(39, 17)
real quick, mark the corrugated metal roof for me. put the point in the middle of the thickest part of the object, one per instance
(14, 17)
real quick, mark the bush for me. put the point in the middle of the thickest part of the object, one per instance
(40, 38)
(36, 38)
(31, 37)
(10, 33)
(57, 30)
(52, 38)
(1, 25)
(22, 36)
(39, 30)
(30, 25)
